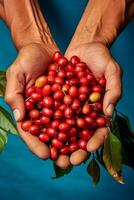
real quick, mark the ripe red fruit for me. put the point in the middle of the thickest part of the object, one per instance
(76, 104)
(30, 90)
(51, 132)
(73, 139)
(101, 121)
(36, 97)
(82, 65)
(59, 80)
(93, 115)
(97, 88)
(44, 137)
(82, 97)
(90, 77)
(70, 75)
(69, 68)
(89, 120)
(57, 104)
(47, 90)
(70, 121)
(48, 101)
(58, 114)
(62, 137)
(97, 107)
(53, 153)
(52, 73)
(56, 87)
(55, 124)
(82, 144)
(74, 81)
(68, 113)
(57, 55)
(62, 107)
(61, 73)
(102, 81)
(62, 61)
(84, 81)
(72, 131)
(57, 143)
(86, 134)
(78, 69)
(86, 109)
(25, 125)
(34, 114)
(34, 129)
(44, 120)
(58, 95)
(73, 91)
(29, 105)
(37, 122)
(84, 90)
(73, 147)
(53, 67)
(74, 60)
(68, 99)
(63, 126)
(65, 150)
(51, 79)
(65, 88)
(80, 122)
(81, 74)
(47, 112)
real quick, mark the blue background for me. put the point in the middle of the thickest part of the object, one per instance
(23, 175)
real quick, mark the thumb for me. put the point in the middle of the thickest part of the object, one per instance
(113, 88)
(14, 94)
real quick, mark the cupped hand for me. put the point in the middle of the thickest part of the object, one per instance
(30, 63)
(99, 60)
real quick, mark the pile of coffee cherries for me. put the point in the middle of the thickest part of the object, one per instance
(64, 107)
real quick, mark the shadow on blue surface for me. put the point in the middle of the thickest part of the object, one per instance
(23, 175)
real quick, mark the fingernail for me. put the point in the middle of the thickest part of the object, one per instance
(16, 113)
(110, 109)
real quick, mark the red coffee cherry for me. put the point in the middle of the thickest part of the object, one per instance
(57, 55)
(25, 125)
(53, 153)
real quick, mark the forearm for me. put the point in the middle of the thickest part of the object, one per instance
(102, 20)
(26, 23)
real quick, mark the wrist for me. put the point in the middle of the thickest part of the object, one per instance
(27, 24)
(101, 22)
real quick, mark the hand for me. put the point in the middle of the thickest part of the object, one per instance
(99, 60)
(30, 63)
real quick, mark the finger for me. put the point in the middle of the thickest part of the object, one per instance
(97, 139)
(34, 144)
(113, 88)
(63, 161)
(14, 94)
(78, 157)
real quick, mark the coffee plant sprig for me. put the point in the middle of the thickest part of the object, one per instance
(116, 151)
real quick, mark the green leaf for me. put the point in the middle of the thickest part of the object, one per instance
(2, 83)
(61, 172)
(3, 139)
(126, 138)
(6, 122)
(3, 135)
(93, 170)
(112, 156)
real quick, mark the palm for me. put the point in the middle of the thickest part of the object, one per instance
(101, 63)
(31, 62)
(95, 55)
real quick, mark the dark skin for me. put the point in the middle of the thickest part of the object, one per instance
(92, 39)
